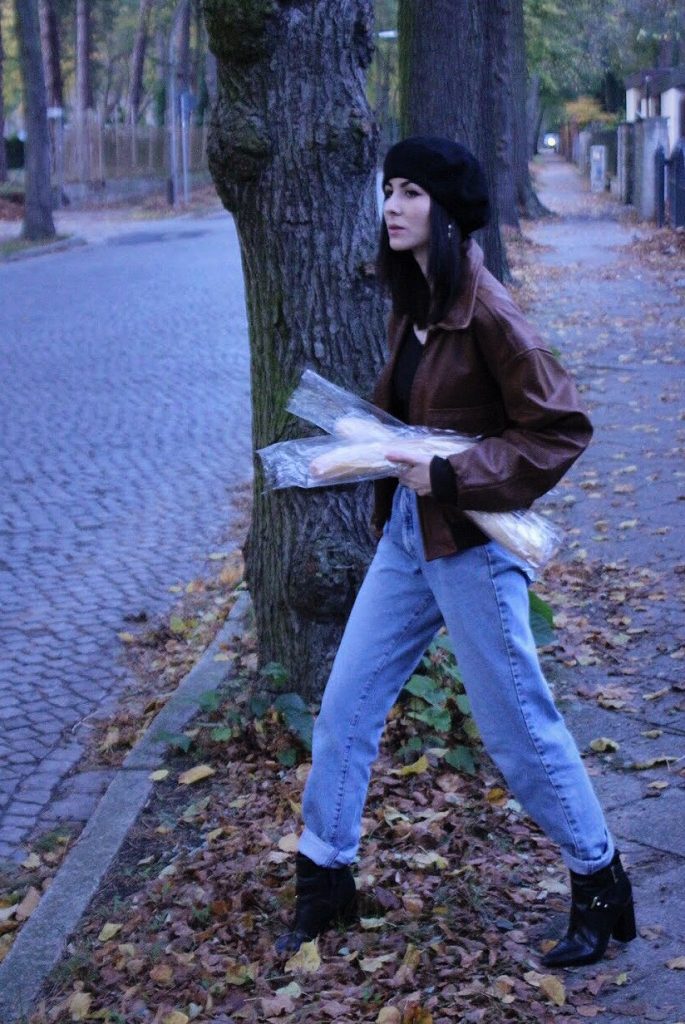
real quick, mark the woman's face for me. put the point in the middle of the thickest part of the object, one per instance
(406, 211)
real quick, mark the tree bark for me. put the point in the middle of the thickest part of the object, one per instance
(292, 152)
(447, 62)
(183, 49)
(527, 199)
(49, 35)
(3, 150)
(84, 88)
(138, 60)
(504, 115)
(84, 77)
(38, 223)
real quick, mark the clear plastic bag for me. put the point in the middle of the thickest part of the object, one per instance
(358, 438)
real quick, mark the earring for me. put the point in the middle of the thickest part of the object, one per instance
(449, 230)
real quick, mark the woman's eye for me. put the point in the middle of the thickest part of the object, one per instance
(411, 192)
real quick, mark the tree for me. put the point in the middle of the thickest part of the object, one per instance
(138, 60)
(49, 36)
(293, 155)
(447, 59)
(38, 223)
(3, 151)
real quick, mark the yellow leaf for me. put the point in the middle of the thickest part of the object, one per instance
(371, 964)
(389, 1015)
(417, 768)
(553, 989)
(412, 956)
(126, 638)
(159, 775)
(176, 1017)
(289, 843)
(603, 744)
(111, 739)
(79, 1005)
(109, 930)
(495, 794)
(677, 964)
(28, 904)
(196, 774)
(306, 960)
(369, 923)
(621, 978)
(32, 861)
(653, 762)
(214, 834)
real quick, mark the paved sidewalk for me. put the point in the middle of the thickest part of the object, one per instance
(620, 330)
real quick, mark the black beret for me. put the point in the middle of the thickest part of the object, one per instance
(449, 173)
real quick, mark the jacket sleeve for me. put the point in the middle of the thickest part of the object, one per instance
(546, 429)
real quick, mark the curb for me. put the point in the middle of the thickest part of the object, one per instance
(43, 250)
(41, 942)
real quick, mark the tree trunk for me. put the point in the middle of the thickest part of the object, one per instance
(302, 189)
(533, 114)
(526, 197)
(84, 88)
(3, 150)
(49, 35)
(38, 223)
(138, 60)
(504, 111)
(183, 49)
(84, 77)
(447, 62)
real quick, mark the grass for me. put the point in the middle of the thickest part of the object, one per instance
(12, 246)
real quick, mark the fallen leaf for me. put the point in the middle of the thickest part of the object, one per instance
(306, 960)
(293, 990)
(654, 762)
(289, 843)
(108, 931)
(28, 904)
(371, 964)
(677, 964)
(389, 1015)
(370, 923)
(553, 989)
(162, 974)
(276, 1005)
(176, 1017)
(603, 745)
(159, 775)
(196, 774)
(79, 1005)
(32, 861)
(417, 768)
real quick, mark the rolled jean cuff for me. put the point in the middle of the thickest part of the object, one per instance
(584, 867)
(323, 854)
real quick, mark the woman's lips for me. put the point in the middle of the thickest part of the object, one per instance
(393, 229)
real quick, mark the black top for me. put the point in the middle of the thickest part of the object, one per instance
(443, 481)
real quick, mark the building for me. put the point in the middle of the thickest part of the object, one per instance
(659, 92)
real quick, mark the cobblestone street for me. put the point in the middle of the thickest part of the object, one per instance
(124, 432)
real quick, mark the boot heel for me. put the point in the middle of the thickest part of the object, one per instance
(624, 930)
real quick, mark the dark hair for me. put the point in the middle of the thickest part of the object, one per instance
(425, 301)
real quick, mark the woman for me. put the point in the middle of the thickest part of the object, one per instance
(461, 357)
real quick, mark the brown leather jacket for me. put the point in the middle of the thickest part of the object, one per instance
(484, 371)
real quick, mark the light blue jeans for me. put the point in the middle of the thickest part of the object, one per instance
(482, 597)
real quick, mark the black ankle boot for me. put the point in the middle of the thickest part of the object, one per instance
(324, 896)
(601, 906)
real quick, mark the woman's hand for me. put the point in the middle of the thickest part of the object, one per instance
(417, 474)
